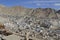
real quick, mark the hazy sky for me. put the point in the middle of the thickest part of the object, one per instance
(33, 3)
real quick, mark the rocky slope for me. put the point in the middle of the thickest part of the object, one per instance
(20, 23)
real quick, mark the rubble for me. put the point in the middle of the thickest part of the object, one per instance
(30, 24)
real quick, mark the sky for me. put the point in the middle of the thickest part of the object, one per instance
(32, 3)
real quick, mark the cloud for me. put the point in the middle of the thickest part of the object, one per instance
(57, 4)
(38, 4)
(42, 2)
(38, 1)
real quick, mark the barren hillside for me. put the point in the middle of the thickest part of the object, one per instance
(20, 23)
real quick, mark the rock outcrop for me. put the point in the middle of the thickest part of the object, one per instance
(20, 23)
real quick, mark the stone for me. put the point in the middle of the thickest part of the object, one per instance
(12, 37)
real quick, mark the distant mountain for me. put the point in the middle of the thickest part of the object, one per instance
(20, 11)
